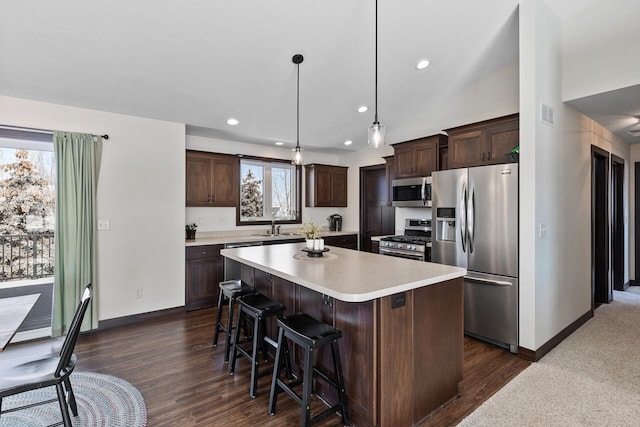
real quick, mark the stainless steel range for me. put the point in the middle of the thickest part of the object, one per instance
(415, 243)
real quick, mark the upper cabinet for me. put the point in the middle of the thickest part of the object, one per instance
(212, 179)
(417, 158)
(325, 186)
(483, 143)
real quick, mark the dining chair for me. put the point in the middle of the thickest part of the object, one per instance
(35, 365)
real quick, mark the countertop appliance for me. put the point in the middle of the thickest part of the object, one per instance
(411, 192)
(335, 222)
(415, 243)
(476, 220)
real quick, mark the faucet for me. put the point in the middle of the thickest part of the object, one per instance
(273, 226)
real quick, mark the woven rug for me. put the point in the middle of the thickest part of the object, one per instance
(103, 400)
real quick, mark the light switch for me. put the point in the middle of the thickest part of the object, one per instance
(542, 230)
(103, 224)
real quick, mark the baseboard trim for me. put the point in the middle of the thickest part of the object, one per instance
(135, 318)
(534, 356)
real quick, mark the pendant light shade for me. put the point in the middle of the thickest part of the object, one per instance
(296, 153)
(376, 130)
(376, 135)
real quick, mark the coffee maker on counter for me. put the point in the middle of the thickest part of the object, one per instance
(335, 222)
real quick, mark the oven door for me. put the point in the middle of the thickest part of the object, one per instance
(399, 253)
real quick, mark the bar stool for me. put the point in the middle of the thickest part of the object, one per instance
(230, 290)
(256, 308)
(311, 335)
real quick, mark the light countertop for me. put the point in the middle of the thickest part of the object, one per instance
(346, 274)
(221, 238)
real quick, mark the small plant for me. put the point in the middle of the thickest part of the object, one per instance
(310, 230)
(191, 230)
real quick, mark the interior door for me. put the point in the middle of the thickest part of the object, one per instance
(377, 217)
(493, 219)
(617, 229)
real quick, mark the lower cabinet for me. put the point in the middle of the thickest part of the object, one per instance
(347, 241)
(204, 272)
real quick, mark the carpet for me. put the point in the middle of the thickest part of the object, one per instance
(103, 400)
(590, 379)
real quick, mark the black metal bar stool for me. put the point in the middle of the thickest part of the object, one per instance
(311, 335)
(230, 290)
(256, 308)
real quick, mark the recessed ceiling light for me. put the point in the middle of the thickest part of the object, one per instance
(233, 122)
(422, 64)
(279, 143)
(348, 142)
(362, 108)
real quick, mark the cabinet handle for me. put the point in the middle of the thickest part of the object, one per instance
(483, 156)
(204, 252)
(488, 155)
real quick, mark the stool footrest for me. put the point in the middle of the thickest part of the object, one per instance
(288, 388)
(321, 416)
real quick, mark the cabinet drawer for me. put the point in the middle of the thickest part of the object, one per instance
(348, 241)
(205, 251)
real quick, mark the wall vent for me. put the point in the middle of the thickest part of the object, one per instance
(546, 114)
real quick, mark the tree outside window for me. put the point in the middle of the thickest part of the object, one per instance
(268, 191)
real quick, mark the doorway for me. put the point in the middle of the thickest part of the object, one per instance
(600, 283)
(617, 226)
(377, 216)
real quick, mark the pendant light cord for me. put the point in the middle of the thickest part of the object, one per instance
(298, 109)
(376, 73)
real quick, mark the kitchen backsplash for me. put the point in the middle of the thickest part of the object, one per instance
(224, 219)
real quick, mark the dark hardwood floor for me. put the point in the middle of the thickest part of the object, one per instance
(184, 380)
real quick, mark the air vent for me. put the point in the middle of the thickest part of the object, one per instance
(546, 114)
(635, 133)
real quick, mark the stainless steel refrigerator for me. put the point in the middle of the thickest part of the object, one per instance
(476, 226)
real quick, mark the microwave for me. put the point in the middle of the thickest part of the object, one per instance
(411, 192)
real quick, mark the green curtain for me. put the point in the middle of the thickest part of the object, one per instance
(77, 168)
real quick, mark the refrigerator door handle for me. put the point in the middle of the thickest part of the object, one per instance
(487, 281)
(471, 223)
(462, 209)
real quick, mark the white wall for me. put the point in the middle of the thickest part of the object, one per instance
(555, 186)
(141, 191)
(601, 46)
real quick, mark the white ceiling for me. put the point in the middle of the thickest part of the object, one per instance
(200, 62)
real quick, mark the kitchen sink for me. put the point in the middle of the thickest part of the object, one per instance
(277, 235)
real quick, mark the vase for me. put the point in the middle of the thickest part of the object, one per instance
(310, 243)
(191, 234)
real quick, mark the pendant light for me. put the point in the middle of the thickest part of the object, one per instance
(296, 153)
(376, 130)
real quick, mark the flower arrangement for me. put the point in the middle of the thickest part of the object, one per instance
(310, 230)
(192, 226)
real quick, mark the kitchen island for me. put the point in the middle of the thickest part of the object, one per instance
(402, 323)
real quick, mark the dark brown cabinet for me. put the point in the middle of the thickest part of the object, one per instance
(417, 158)
(483, 143)
(212, 179)
(325, 186)
(347, 241)
(390, 175)
(204, 272)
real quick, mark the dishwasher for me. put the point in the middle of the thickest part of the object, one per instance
(231, 267)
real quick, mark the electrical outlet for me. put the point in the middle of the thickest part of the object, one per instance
(139, 293)
(103, 224)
